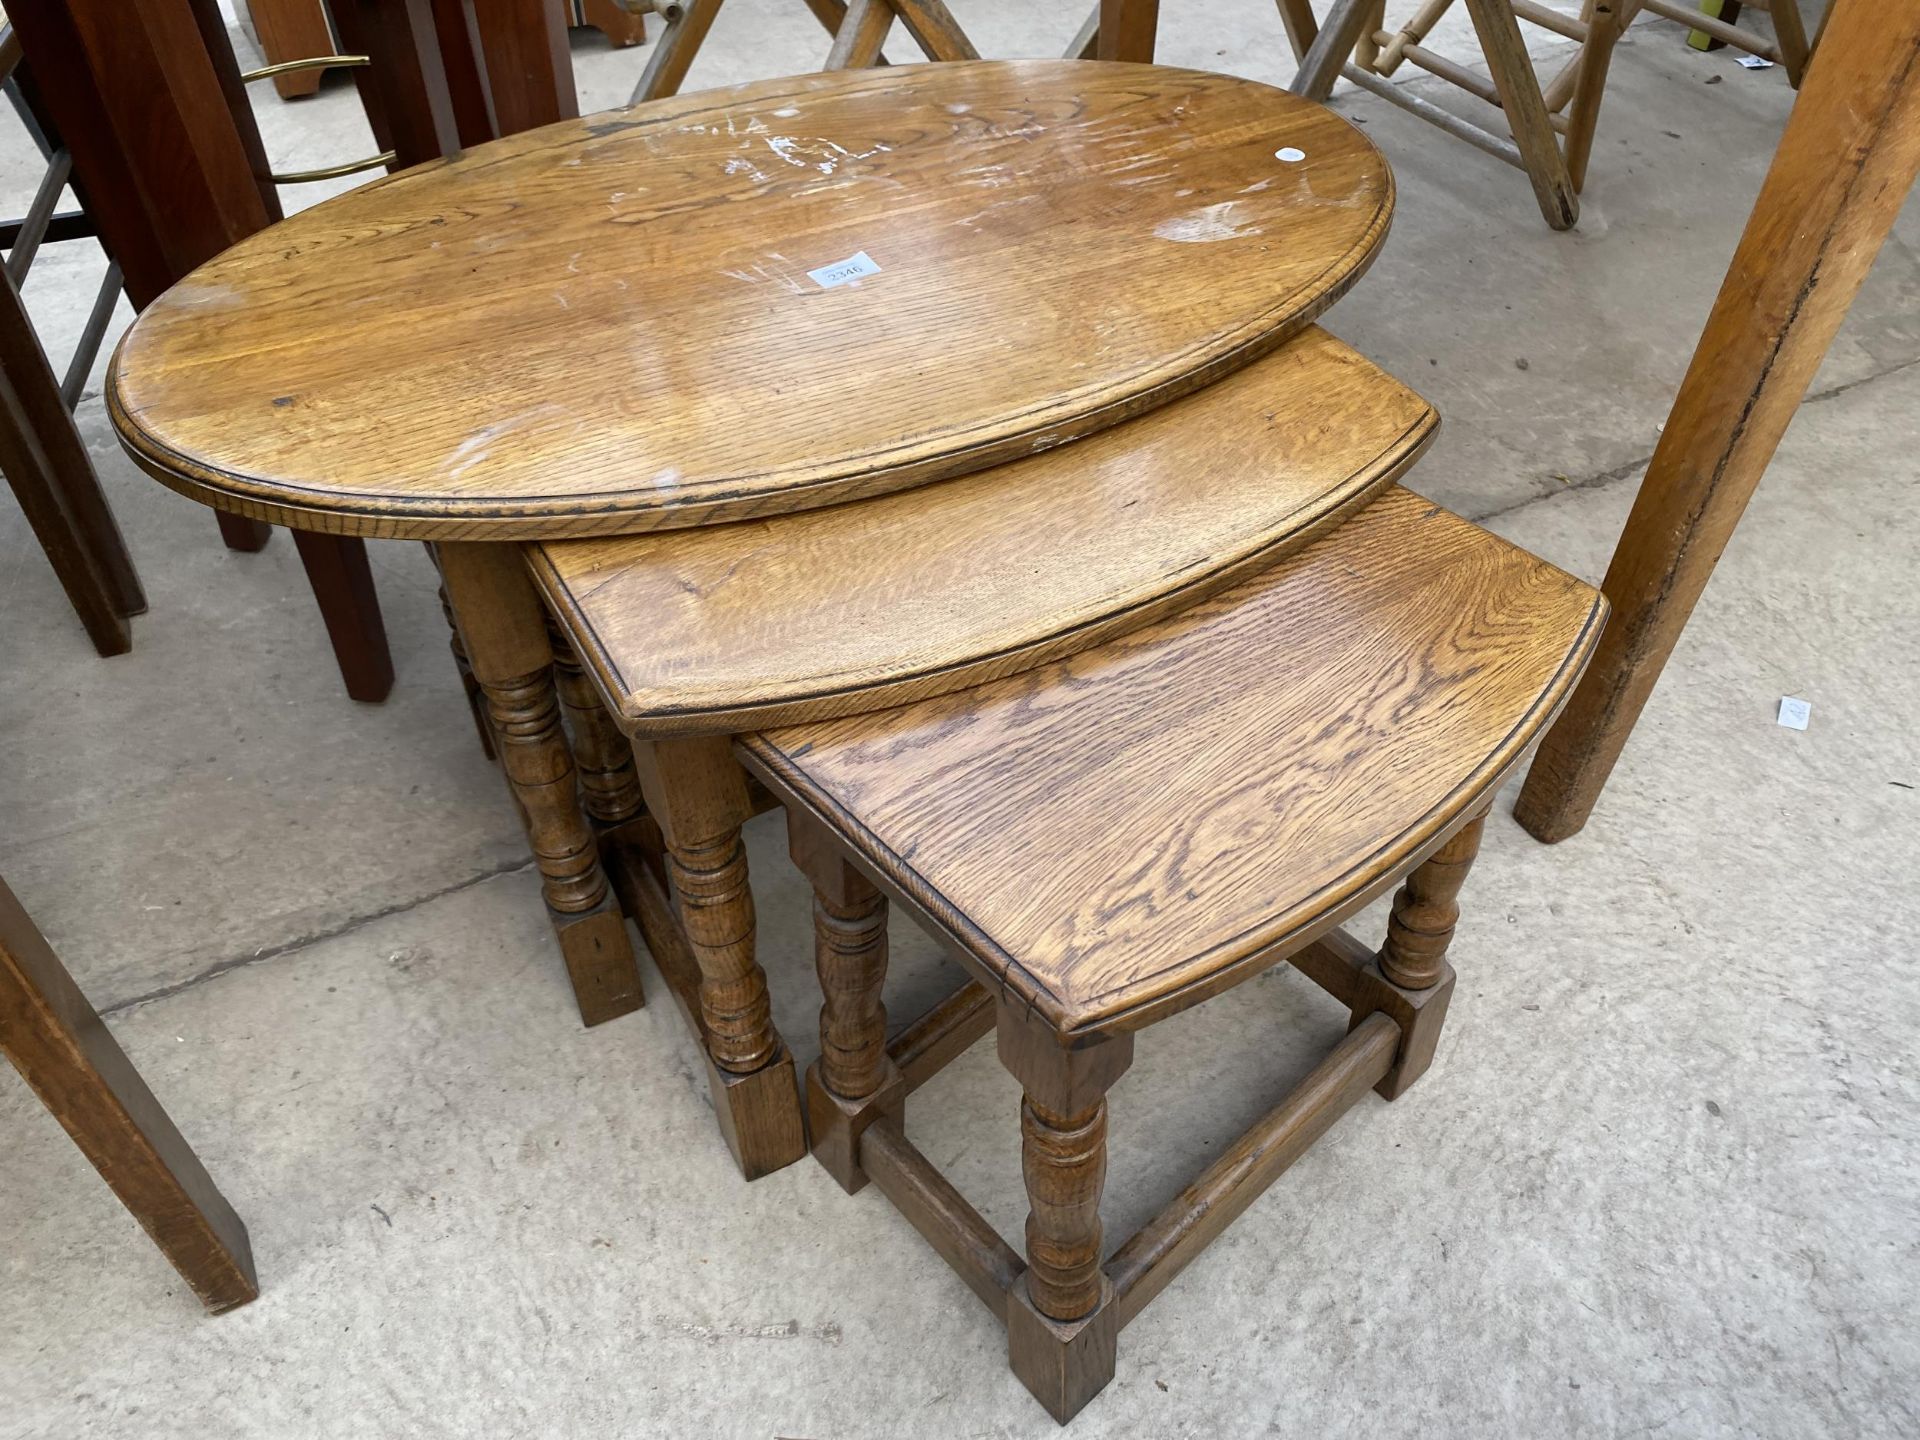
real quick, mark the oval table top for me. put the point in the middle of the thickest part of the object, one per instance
(858, 607)
(751, 300)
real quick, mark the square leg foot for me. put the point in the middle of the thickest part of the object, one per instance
(1065, 1363)
(760, 1115)
(837, 1123)
(600, 961)
(1418, 1013)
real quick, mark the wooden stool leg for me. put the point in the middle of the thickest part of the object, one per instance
(1790, 31)
(342, 584)
(1526, 110)
(476, 701)
(505, 629)
(697, 793)
(1411, 980)
(1062, 1323)
(59, 1045)
(1332, 44)
(687, 24)
(853, 1083)
(609, 784)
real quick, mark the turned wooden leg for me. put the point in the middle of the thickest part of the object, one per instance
(1062, 1324)
(476, 700)
(57, 1042)
(504, 626)
(853, 1083)
(609, 785)
(1411, 980)
(697, 794)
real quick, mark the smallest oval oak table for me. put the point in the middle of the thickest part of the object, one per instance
(729, 306)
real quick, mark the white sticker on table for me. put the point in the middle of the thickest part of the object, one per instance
(1795, 712)
(854, 267)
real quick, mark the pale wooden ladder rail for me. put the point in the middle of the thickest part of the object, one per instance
(1550, 128)
(1845, 164)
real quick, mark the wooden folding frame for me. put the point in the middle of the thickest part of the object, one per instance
(1850, 155)
(1114, 30)
(1549, 127)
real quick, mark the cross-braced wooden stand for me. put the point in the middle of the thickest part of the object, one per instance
(1549, 128)
(1114, 30)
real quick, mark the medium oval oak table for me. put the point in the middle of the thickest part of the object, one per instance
(730, 306)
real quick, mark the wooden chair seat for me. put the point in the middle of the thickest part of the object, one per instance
(854, 607)
(1118, 835)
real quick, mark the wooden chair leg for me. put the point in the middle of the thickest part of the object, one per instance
(30, 476)
(64, 1051)
(1062, 1323)
(1605, 22)
(527, 61)
(934, 30)
(1845, 163)
(476, 700)
(687, 24)
(1410, 980)
(697, 794)
(1790, 34)
(854, 1082)
(505, 628)
(1301, 27)
(237, 532)
(1128, 29)
(1331, 46)
(1526, 110)
(342, 584)
(47, 457)
(862, 33)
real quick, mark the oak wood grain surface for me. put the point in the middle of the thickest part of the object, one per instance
(1115, 836)
(609, 324)
(856, 607)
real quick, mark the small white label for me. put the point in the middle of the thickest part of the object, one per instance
(1289, 154)
(1753, 62)
(1794, 712)
(854, 267)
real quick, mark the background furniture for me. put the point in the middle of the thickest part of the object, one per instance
(1844, 167)
(45, 460)
(150, 102)
(290, 30)
(64, 1051)
(1114, 30)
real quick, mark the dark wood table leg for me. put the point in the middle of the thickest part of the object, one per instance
(1845, 164)
(504, 627)
(342, 583)
(65, 1052)
(697, 793)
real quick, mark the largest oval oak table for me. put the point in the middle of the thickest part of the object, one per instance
(732, 305)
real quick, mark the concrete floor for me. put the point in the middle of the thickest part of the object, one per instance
(1664, 1179)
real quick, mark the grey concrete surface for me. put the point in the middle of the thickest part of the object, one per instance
(1664, 1179)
